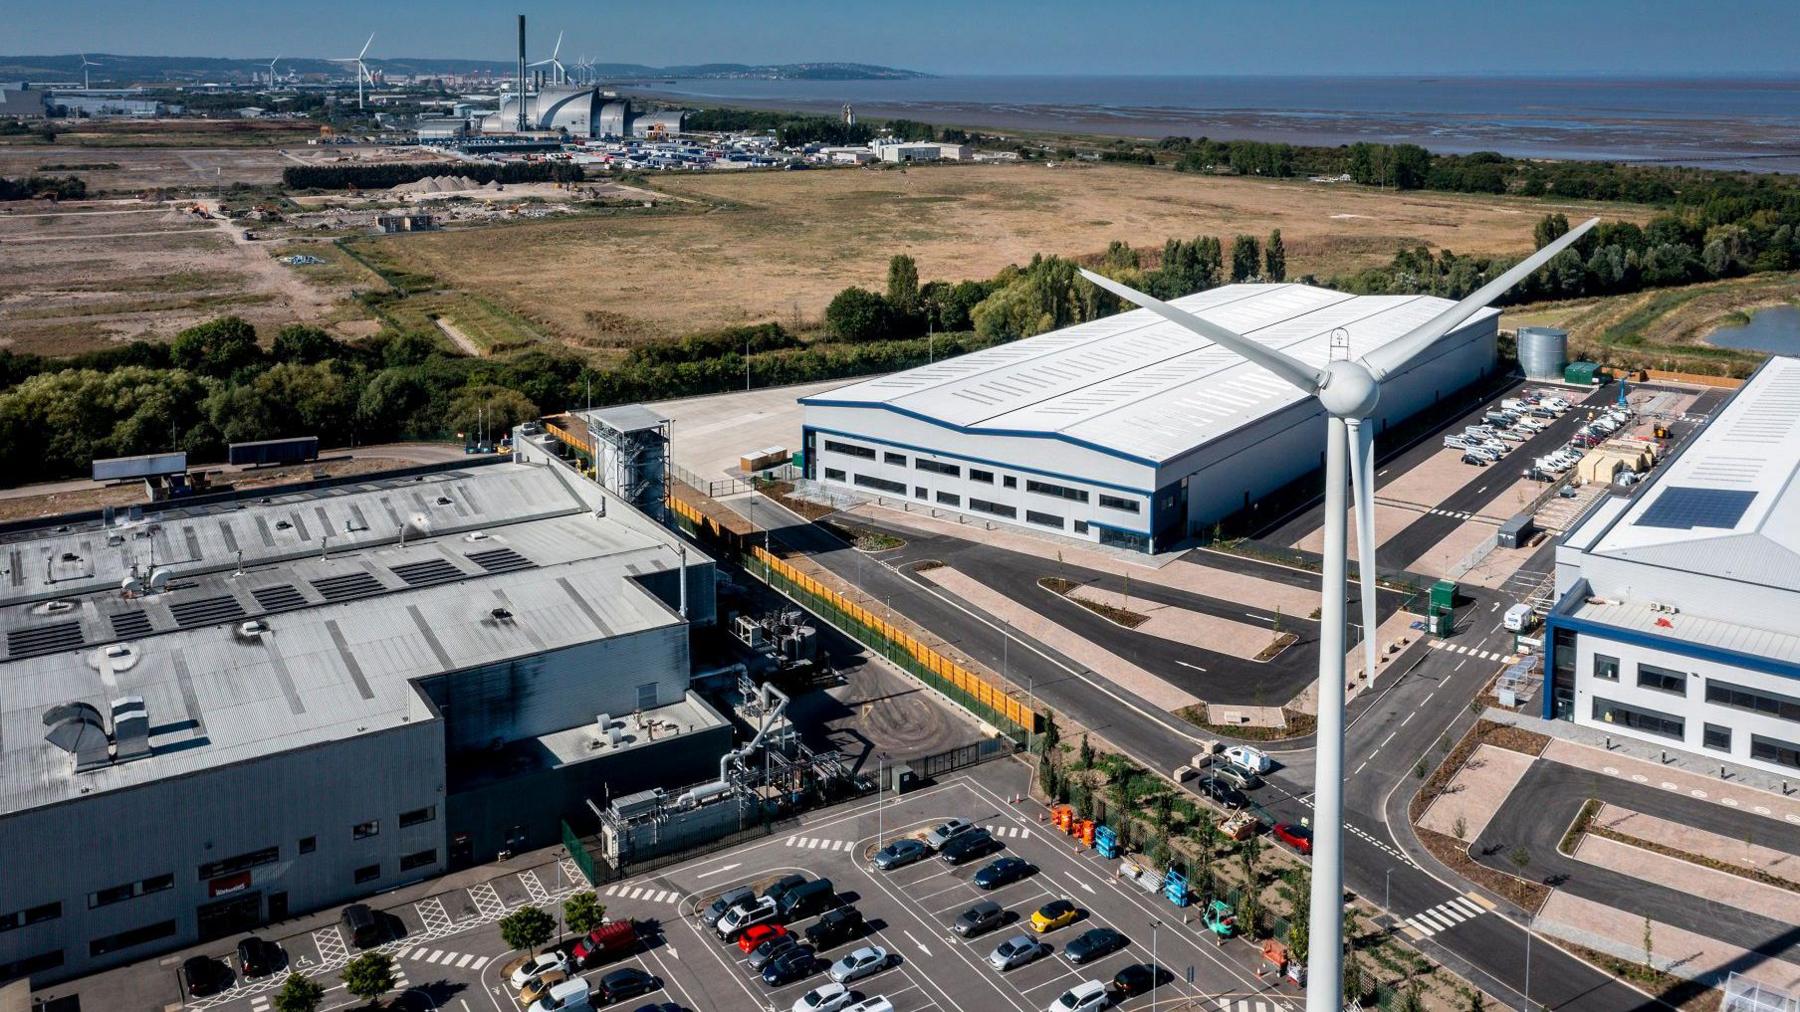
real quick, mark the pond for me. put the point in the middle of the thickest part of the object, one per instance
(1776, 329)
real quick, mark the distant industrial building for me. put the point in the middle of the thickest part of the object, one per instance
(890, 150)
(19, 100)
(581, 112)
(1129, 430)
(99, 106)
(223, 713)
(1675, 618)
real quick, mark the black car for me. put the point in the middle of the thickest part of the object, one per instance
(1223, 793)
(783, 885)
(1139, 978)
(1094, 943)
(206, 975)
(770, 950)
(965, 847)
(1005, 871)
(626, 983)
(795, 964)
(836, 927)
(257, 958)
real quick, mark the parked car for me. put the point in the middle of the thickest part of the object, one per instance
(941, 834)
(1003, 871)
(1093, 944)
(626, 982)
(1237, 776)
(544, 962)
(206, 975)
(750, 915)
(1249, 757)
(877, 1003)
(982, 917)
(573, 993)
(1086, 996)
(900, 853)
(1222, 793)
(795, 964)
(782, 886)
(539, 986)
(825, 998)
(725, 901)
(860, 963)
(1470, 458)
(607, 941)
(1296, 836)
(771, 947)
(1015, 952)
(966, 847)
(757, 934)
(806, 900)
(1053, 915)
(1139, 978)
(836, 927)
(360, 925)
(258, 958)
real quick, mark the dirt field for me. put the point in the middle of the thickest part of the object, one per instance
(781, 244)
(128, 171)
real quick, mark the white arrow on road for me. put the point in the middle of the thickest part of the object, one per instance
(915, 941)
(718, 871)
(1074, 878)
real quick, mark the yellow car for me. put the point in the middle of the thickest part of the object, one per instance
(540, 985)
(1053, 915)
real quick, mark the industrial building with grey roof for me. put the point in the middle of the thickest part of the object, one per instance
(217, 715)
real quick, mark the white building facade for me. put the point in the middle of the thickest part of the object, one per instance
(1678, 612)
(1129, 430)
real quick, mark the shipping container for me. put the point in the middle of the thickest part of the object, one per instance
(275, 451)
(148, 465)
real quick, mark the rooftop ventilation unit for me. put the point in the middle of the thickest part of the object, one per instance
(279, 597)
(253, 629)
(131, 728)
(77, 728)
(348, 586)
(35, 641)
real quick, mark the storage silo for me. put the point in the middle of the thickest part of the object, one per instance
(1543, 352)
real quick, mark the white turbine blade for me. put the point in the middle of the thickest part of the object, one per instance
(1392, 357)
(366, 45)
(554, 50)
(1362, 491)
(1293, 370)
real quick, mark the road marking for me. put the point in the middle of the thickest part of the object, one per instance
(715, 871)
(1389, 738)
(1359, 768)
(533, 887)
(1185, 664)
(1077, 880)
(915, 941)
(1409, 716)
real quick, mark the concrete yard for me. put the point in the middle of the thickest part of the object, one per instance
(708, 434)
(1184, 625)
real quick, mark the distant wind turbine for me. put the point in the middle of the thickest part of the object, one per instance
(1348, 390)
(561, 76)
(361, 70)
(85, 64)
(272, 68)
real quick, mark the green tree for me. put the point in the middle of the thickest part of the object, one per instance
(1244, 257)
(1550, 228)
(489, 406)
(1249, 914)
(857, 314)
(527, 928)
(304, 345)
(1250, 854)
(1052, 736)
(583, 912)
(903, 285)
(299, 994)
(216, 348)
(1296, 886)
(369, 976)
(1275, 258)
(1087, 752)
(1412, 999)
(1411, 166)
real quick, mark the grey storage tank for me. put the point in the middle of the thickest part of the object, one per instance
(1543, 352)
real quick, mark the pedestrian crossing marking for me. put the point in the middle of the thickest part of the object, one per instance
(625, 891)
(1457, 514)
(1444, 916)
(1013, 832)
(1459, 648)
(818, 843)
(1482, 901)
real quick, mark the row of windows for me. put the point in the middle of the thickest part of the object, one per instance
(937, 467)
(1666, 725)
(30, 965)
(897, 459)
(1059, 491)
(949, 499)
(834, 474)
(1043, 519)
(1743, 697)
(850, 449)
(240, 862)
(1649, 676)
(127, 939)
(870, 481)
(997, 509)
(1113, 502)
(131, 890)
(1771, 750)
(30, 915)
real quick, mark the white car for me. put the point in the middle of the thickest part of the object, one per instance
(824, 998)
(738, 918)
(541, 963)
(859, 964)
(1249, 757)
(1083, 997)
(941, 835)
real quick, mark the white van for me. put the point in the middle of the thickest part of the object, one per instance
(569, 996)
(1519, 618)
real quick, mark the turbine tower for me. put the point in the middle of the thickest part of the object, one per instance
(277, 60)
(1348, 390)
(85, 64)
(361, 70)
(561, 73)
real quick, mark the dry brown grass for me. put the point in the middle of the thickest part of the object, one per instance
(780, 244)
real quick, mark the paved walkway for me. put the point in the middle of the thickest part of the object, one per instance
(1683, 953)
(1181, 625)
(1475, 793)
(1694, 840)
(1075, 551)
(1708, 884)
(1108, 665)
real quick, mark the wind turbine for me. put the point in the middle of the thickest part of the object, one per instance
(361, 70)
(85, 64)
(1348, 391)
(562, 74)
(272, 68)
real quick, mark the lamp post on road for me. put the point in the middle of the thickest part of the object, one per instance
(1155, 967)
(1387, 891)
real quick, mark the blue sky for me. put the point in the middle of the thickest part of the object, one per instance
(1647, 37)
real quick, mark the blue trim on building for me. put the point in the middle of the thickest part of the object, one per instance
(1116, 527)
(966, 430)
(981, 460)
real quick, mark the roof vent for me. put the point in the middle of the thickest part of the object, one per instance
(253, 629)
(159, 580)
(501, 615)
(443, 500)
(76, 728)
(131, 728)
(476, 536)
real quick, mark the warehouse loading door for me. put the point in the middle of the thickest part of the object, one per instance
(232, 916)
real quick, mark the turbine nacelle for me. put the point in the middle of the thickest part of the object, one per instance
(1350, 390)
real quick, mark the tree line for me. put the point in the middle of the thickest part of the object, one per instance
(380, 177)
(43, 187)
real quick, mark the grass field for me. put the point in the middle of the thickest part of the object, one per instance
(779, 245)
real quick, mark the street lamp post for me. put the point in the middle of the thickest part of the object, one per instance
(1155, 967)
(1387, 891)
(1528, 963)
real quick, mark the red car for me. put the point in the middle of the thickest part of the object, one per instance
(1297, 837)
(756, 934)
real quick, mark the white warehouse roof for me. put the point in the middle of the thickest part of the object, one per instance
(1137, 385)
(1727, 504)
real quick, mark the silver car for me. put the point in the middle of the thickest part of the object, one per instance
(941, 835)
(859, 964)
(1015, 952)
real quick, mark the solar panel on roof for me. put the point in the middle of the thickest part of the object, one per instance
(426, 572)
(279, 597)
(347, 585)
(1683, 509)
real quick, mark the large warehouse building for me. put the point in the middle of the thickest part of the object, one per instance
(1678, 611)
(584, 113)
(1128, 430)
(218, 715)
